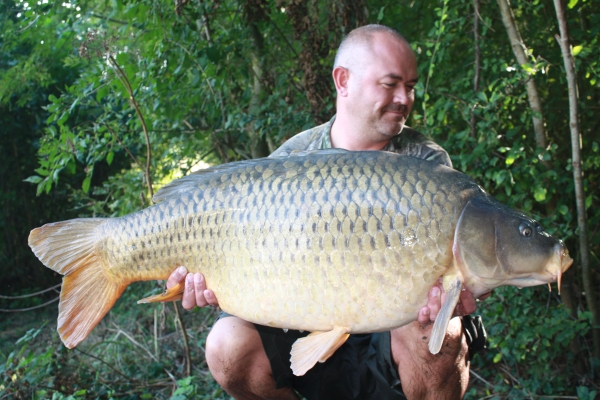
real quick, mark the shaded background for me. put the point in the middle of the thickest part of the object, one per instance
(218, 81)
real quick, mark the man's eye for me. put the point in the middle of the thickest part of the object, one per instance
(389, 85)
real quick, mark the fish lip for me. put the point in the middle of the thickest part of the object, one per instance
(565, 262)
(565, 259)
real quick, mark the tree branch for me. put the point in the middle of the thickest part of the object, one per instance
(185, 340)
(123, 78)
(476, 17)
(8, 310)
(519, 50)
(135, 160)
(31, 294)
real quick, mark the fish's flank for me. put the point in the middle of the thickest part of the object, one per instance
(328, 241)
(311, 242)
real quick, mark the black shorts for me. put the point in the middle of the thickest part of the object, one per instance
(362, 368)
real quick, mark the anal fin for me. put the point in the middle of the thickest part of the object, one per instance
(316, 347)
(173, 294)
(452, 285)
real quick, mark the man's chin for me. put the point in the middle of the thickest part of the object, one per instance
(392, 129)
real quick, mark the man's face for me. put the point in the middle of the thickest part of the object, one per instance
(381, 93)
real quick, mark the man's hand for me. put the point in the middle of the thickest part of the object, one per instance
(195, 292)
(467, 304)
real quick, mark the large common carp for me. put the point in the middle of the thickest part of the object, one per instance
(330, 241)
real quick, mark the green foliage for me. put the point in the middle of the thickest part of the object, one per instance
(529, 334)
(188, 389)
(136, 352)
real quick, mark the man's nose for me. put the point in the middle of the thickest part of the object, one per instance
(401, 95)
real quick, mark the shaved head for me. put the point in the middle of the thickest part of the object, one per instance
(375, 74)
(355, 49)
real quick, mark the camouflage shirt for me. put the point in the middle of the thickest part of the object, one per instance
(409, 143)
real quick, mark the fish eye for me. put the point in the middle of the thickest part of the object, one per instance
(525, 229)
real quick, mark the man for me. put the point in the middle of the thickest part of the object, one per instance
(375, 72)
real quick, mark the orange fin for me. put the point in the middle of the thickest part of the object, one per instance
(173, 294)
(316, 347)
(68, 247)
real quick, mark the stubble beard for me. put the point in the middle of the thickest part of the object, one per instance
(390, 128)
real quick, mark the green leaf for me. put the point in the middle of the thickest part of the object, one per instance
(109, 157)
(86, 184)
(583, 393)
(577, 49)
(528, 68)
(102, 92)
(40, 187)
(33, 179)
(563, 209)
(380, 15)
(73, 105)
(497, 358)
(63, 118)
(572, 3)
(51, 118)
(539, 193)
(42, 171)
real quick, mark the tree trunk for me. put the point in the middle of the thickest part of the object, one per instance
(477, 63)
(258, 143)
(519, 48)
(578, 173)
(567, 294)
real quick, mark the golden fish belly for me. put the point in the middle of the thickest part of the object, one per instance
(307, 244)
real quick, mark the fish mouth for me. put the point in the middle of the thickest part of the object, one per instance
(558, 263)
(561, 265)
(566, 260)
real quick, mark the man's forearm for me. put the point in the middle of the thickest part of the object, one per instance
(427, 376)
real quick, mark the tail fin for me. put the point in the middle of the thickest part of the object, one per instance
(68, 248)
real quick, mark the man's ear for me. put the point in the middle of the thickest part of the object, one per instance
(340, 78)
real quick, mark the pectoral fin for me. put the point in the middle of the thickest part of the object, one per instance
(452, 286)
(173, 294)
(318, 346)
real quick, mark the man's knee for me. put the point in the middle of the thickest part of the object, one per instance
(232, 347)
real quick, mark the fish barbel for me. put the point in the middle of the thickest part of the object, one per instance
(329, 241)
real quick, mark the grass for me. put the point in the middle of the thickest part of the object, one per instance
(136, 352)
